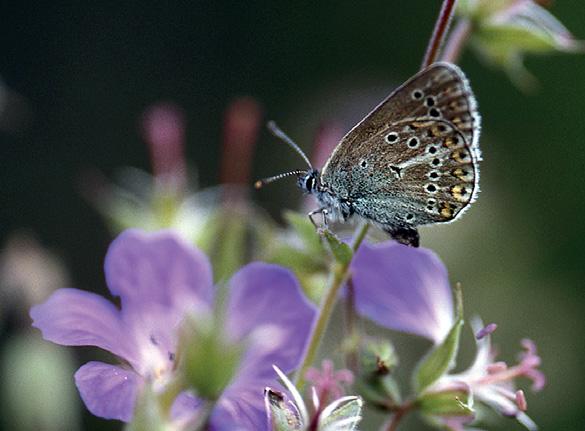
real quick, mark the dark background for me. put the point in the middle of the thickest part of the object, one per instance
(87, 71)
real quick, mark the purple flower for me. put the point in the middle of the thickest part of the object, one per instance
(407, 289)
(403, 288)
(160, 279)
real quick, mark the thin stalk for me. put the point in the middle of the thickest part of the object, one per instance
(351, 357)
(340, 275)
(457, 40)
(439, 32)
(398, 415)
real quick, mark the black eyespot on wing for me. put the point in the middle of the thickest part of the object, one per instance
(392, 137)
(434, 112)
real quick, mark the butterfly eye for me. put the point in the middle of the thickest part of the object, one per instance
(309, 183)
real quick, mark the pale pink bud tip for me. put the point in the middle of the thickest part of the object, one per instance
(487, 330)
(521, 400)
(163, 128)
(327, 138)
(241, 127)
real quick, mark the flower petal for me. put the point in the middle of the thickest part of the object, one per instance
(72, 317)
(185, 407)
(403, 288)
(242, 413)
(157, 269)
(267, 309)
(108, 391)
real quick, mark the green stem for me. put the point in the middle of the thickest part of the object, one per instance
(352, 333)
(340, 274)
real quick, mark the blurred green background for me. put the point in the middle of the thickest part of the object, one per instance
(85, 71)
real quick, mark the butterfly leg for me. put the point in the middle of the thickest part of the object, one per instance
(404, 235)
(323, 212)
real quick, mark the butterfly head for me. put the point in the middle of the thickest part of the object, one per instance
(309, 181)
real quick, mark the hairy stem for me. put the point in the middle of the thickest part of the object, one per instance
(439, 32)
(457, 40)
(340, 275)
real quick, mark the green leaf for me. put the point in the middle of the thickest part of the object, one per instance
(343, 414)
(447, 403)
(282, 415)
(442, 358)
(341, 251)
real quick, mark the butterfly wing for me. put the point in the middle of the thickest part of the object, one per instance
(441, 91)
(414, 159)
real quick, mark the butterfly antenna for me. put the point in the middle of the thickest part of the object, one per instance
(261, 183)
(276, 131)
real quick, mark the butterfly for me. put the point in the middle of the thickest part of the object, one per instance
(414, 160)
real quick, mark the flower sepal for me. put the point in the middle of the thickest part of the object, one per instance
(454, 401)
(210, 362)
(148, 414)
(283, 414)
(343, 414)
